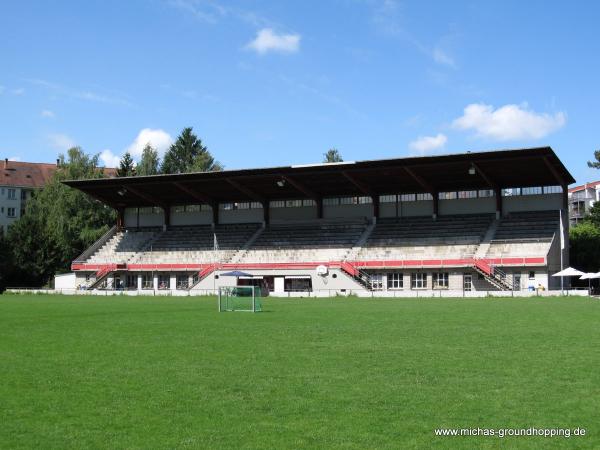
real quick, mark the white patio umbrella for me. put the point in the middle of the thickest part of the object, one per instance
(568, 272)
(589, 277)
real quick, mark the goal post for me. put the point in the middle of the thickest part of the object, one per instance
(239, 298)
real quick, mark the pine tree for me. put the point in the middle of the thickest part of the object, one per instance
(187, 154)
(148, 164)
(595, 164)
(126, 167)
(332, 156)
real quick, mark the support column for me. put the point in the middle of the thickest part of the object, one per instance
(375, 200)
(319, 207)
(215, 213)
(139, 281)
(266, 212)
(436, 203)
(167, 211)
(565, 223)
(498, 195)
(155, 281)
(173, 281)
(120, 218)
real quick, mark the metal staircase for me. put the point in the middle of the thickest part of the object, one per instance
(102, 274)
(360, 276)
(199, 276)
(493, 275)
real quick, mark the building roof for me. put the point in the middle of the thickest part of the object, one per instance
(581, 187)
(464, 171)
(25, 174)
(32, 175)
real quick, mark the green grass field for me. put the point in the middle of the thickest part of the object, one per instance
(158, 373)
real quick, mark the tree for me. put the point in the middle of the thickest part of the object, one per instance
(187, 154)
(585, 246)
(126, 167)
(595, 164)
(148, 164)
(332, 156)
(59, 222)
(594, 215)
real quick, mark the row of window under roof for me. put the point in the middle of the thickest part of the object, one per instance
(362, 200)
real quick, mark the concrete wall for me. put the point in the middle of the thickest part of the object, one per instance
(347, 211)
(519, 203)
(290, 214)
(467, 206)
(191, 218)
(413, 209)
(152, 219)
(241, 216)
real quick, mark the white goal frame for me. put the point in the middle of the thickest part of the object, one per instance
(228, 294)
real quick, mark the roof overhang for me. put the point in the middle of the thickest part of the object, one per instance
(456, 172)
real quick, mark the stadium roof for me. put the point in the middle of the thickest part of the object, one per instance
(457, 172)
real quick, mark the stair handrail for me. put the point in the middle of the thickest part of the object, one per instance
(96, 245)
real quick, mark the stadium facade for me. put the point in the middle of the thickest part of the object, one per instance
(480, 221)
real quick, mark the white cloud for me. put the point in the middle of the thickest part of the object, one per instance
(267, 40)
(509, 122)
(441, 57)
(109, 158)
(48, 114)
(61, 141)
(426, 144)
(159, 139)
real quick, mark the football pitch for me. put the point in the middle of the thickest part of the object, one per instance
(172, 372)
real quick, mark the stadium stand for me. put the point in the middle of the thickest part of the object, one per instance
(453, 222)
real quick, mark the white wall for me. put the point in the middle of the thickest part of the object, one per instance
(467, 206)
(347, 211)
(65, 281)
(541, 202)
(191, 218)
(241, 215)
(299, 213)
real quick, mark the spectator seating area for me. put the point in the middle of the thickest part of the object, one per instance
(458, 236)
(423, 238)
(315, 241)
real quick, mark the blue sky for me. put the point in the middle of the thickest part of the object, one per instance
(274, 83)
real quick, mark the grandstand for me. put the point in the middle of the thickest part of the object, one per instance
(467, 222)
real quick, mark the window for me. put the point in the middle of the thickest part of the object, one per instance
(147, 281)
(348, 201)
(226, 206)
(407, 198)
(440, 280)
(424, 196)
(447, 195)
(468, 282)
(2, 191)
(179, 209)
(486, 193)
(334, 201)
(192, 208)
(531, 190)
(11, 194)
(10, 212)
(164, 281)
(387, 199)
(395, 280)
(255, 205)
(552, 190)
(277, 204)
(156, 210)
(467, 194)
(511, 192)
(418, 280)
(131, 282)
(146, 210)
(377, 282)
(23, 194)
(308, 203)
(532, 275)
(364, 200)
(242, 205)
(205, 208)
(182, 281)
(293, 203)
